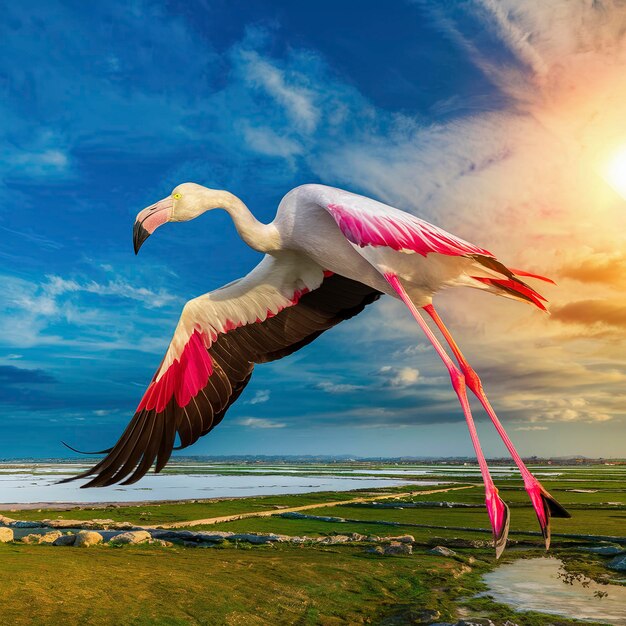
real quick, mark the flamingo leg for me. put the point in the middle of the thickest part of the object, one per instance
(496, 508)
(544, 504)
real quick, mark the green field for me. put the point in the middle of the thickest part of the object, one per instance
(236, 583)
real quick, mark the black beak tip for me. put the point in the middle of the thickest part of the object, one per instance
(140, 234)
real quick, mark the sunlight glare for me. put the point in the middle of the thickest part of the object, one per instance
(615, 173)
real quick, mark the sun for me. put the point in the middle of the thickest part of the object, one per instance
(615, 172)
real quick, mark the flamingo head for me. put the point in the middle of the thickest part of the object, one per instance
(186, 202)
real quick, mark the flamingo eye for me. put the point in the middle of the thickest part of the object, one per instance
(176, 196)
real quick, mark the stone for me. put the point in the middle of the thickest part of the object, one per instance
(32, 538)
(27, 524)
(6, 535)
(357, 537)
(87, 538)
(475, 621)
(425, 616)
(132, 537)
(375, 550)
(403, 539)
(334, 539)
(398, 549)
(65, 540)
(618, 563)
(6, 521)
(50, 537)
(604, 550)
(442, 551)
(162, 543)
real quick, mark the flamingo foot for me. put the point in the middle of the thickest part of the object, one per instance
(499, 516)
(544, 504)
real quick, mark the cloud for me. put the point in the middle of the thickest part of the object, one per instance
(266, 141)
(260, 422)
(57, 285)
(400, 376)
(598, 267)
(261, 396)
(337, 388)
(611, 313)
(531, 428)
(10, 375)
(296, 99)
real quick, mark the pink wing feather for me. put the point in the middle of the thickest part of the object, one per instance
(398, 230)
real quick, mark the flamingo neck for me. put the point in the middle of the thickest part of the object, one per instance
(259, 236)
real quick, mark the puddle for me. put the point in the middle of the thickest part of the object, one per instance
(534, 585)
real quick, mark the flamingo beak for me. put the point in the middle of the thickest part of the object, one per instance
(148, 220)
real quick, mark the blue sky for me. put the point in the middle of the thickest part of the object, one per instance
(106, 106)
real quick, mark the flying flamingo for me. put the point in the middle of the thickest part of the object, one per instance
(328, 254)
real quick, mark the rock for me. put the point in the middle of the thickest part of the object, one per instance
(256, 539)
(475, 621)
(65, 540)
(375, 550)
(334, 539)
(131, 537)
(373, 538)
(87, 538)
(6, 535)
(604, 550)
(618, 563)
(50, 537)
(425, 616)
(357, 537)
(162, 543)
(403, 539)
(6, 521)
(32, 538)
(22, 524)
(398, 549)
(442, 551)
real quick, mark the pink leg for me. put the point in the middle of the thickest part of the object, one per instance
(544, 504)
(497, 509)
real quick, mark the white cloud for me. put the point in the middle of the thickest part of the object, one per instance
(261, 396)
(336, 388)
(531, 428)
(266, 141)
(296, 99)
(57, 285)
(400, 376)
(260, 422)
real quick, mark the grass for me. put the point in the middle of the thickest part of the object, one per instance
(148, 585)
(304, 585)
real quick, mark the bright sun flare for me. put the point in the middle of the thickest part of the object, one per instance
(615, 173)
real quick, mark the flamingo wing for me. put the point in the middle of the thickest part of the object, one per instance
(281, 306)
(371, 225)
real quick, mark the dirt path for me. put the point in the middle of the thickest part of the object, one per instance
(317, 505)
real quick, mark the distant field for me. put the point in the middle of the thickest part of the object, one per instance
(310, 584)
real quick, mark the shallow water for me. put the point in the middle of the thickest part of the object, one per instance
(533, 585)
(42, 486)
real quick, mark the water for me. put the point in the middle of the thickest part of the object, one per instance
(41, 486)
(533, 585)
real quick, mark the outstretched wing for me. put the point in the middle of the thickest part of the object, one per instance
(281, 306)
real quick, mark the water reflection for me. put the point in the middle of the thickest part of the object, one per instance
(535, 585)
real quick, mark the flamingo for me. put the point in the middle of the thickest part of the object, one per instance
(327, 255)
